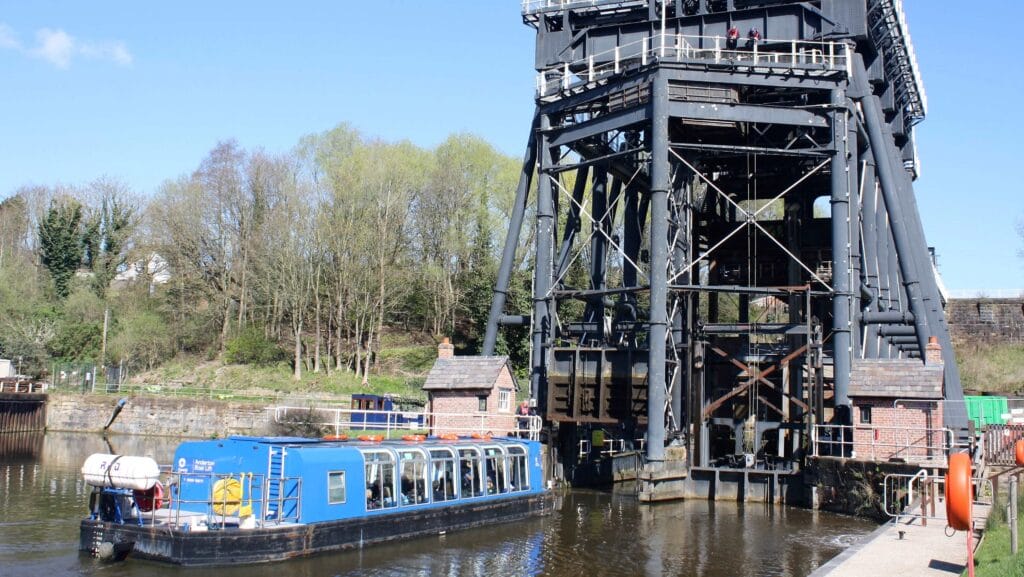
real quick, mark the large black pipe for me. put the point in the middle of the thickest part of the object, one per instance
(508, 255)
(542, 272)
(890, 192)
(659, 274)
(841, 264)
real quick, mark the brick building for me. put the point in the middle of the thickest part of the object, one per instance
(897, 408)
(470, 394)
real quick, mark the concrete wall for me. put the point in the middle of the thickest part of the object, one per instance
(983, 320)
(158, 416)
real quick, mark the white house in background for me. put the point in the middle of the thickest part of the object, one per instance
(156, 268)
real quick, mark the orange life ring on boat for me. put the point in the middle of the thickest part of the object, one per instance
(152, 498)
(336, 437)
(1018, 452)
(486, 437)
(958, 492)
(414, 438)
(371, 438)
(448, 437)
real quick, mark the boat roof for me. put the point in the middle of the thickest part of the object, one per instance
(387, 443)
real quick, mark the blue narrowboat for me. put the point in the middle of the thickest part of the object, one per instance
(261, 499)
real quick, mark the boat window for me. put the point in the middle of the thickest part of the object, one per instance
(470, 473)
(335, 487)
(518, 471)
(380, 480)
(442, 474)
(414, 477)
(497, 482)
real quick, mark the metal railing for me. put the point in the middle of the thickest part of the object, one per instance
(765, 53)
(878, 443)
(253, 504)
(917, 496)
(392, 424)
(22, 387)
(535, 6)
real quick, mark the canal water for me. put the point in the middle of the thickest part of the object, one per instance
(594, 534)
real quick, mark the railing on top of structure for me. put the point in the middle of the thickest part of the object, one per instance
(883, 443)
(535, 6)
(393, 424)
(790, 55)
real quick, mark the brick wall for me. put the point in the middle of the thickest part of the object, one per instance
(458, 411)
(910, 430)
(982, 320)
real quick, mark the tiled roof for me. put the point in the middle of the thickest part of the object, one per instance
(896, 379)
(462, 373)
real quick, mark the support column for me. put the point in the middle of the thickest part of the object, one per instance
(841, 262)
(515, 226)
(542, 270)
(659, 264)
(869, 253)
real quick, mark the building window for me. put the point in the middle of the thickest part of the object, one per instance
(504, 400)
(481, 403)
(335, 487)
(865, 415)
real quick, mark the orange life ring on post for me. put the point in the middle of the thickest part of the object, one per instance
(414, 438)
(958, 492)
(336, 437)
(150, 499)
(371, 438)
(1018, 452)
(448, 437)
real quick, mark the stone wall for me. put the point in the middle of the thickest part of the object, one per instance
(158, 416)
(982, 320)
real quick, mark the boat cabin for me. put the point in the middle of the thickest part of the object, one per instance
(298, 480)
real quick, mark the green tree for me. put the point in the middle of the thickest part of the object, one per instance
(106, 232)
(60, 244)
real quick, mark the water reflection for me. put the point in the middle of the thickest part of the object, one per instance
(594, 534)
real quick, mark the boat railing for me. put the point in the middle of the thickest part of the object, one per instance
(395, 424)
(246, 500)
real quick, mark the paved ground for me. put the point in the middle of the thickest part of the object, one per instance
(922, 551)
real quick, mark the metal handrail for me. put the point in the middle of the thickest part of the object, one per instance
(896, 485)
(341, 418)
(811, 54)
(911, 441)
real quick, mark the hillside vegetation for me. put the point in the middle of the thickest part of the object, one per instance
(337, 265)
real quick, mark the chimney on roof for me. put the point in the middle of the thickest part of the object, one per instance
(933, 352)
(445, 350)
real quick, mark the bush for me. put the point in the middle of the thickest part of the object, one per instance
(252, 348)
(76, 341)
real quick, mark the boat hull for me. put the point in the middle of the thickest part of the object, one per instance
(244, 546)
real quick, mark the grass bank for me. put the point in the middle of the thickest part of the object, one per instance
(997, 368)
(993, 558)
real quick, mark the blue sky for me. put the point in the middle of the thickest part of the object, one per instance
(142, 91)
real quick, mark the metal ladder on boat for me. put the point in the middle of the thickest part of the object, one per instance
(275, 478)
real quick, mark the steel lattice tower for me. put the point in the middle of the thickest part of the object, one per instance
(706, 206)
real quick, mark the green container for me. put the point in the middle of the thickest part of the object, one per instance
(986, 410)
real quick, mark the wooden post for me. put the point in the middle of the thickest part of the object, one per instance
(1013, 514)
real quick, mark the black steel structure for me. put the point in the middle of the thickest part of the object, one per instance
(724, 220)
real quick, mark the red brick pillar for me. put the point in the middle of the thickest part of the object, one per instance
(445, 350)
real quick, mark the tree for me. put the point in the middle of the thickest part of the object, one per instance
(60, 244)
(108, 227)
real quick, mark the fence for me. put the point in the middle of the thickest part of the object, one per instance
(397, 423)
(791, 55)
(882, 443)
